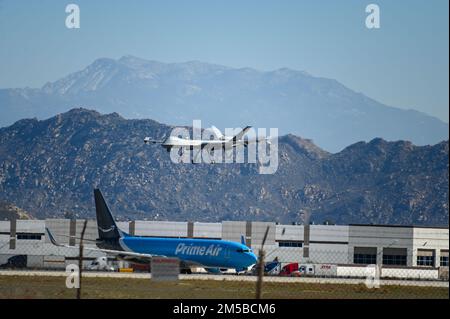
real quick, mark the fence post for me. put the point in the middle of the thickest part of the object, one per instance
(80, 260)
(260, 267)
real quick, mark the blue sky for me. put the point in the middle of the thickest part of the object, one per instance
(403, 64)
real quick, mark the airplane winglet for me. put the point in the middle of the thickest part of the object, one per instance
(240, 134)
(243, 240)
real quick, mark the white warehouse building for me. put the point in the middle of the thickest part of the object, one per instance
(393, 247)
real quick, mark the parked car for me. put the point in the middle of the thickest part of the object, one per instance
(101, 263)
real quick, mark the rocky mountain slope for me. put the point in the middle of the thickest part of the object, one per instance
(296, 102)
(10, 211)
(50, 168)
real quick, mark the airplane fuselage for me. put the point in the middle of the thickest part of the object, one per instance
(203, 252)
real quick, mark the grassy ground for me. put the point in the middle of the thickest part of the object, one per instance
(54, 287)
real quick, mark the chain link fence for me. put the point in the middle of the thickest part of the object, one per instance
(294, 261)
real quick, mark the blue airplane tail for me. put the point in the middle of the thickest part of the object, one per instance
(108, 232)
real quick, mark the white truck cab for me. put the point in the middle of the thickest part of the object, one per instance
(101, 263)
(306, 270)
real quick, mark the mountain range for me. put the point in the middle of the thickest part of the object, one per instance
(295, 102)
(10, 211)
(50, 167)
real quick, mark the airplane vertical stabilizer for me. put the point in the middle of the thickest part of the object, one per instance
(107, 228)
